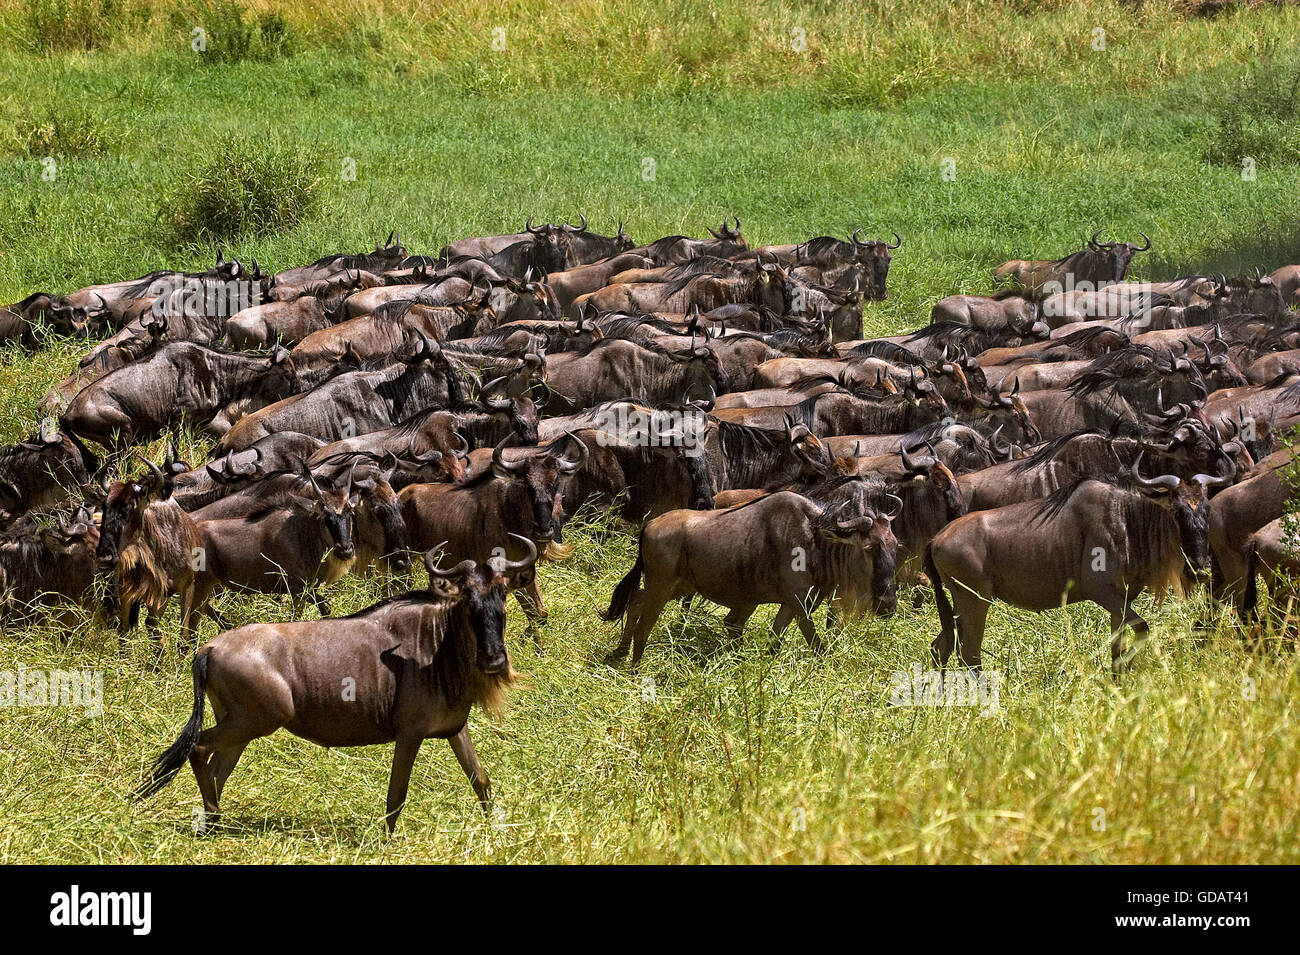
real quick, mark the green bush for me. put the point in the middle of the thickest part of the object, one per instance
(70, 130)
(1257, 114)
(246, 188)
(53, 25)
(233, 35)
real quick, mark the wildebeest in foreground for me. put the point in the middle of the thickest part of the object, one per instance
(783, 549)
(405, 670)
(1088, 541)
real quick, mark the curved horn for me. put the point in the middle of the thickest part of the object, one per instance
(464, 567)
(1164, 481)
(898, 241)
(1145, 247)
(499, 461)
(514, 565)
(895, 510)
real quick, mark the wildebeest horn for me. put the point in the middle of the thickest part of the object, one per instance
(1145, 247)
(1092, 242)
(856, 242)
(909, 462)
(526, 562)
(154, 471)
(528, 226)
(498, 461)
(564, 464)
(898, 241)
(1165, 480)
(464, 567)
(895, 510)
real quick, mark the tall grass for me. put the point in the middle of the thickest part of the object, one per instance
(245, 188)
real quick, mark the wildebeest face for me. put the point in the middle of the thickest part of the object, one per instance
(483, 588)
(336, 512)
(543, 476)
(122, 502)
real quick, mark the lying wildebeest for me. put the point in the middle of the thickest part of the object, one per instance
(615, 368)
(1097, 264)
(180, 382)
(43, 470)
(49, 565)
(18, 322)
(130, 344)
(1088, 541)
(407, 669)
(385, 257)
(782, 548)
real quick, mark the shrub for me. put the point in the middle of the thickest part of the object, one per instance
(63, 131)
(1257, 114)
(232, 34)
(52, 25)
(246, 188)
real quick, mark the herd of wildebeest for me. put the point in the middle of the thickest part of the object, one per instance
(1070, 437)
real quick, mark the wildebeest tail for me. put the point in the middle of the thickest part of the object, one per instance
(1251, 597)
(946, 619)
(624, 591)
(167, 765)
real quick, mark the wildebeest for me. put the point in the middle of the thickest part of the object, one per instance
(476, 520)
(49, 563)
(1097, 264)
(782, 548)
(42, 471)
(1088, 541)
(180, 382)
(415, 665)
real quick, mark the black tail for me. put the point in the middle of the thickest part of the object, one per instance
(624, 591)
(167, 765)
(1251, 597)
(88, 460)
(946, 619)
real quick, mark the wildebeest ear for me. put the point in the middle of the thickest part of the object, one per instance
(421, 645)
(307, 503)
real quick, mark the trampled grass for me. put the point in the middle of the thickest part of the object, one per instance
(714, 752)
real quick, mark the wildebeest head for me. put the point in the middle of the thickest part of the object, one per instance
(1188, 503)
(64, 318)
(1117, 254)
(123, 502)
(730, 234)
(511, 395)
(703, 372)
(1009, 412)
(875, 258)
(551, 246)
(543, 475)
(482, 589)
(853, 524)
(280, 379)
(335, 507)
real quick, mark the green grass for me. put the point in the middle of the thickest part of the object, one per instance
(1050, 139)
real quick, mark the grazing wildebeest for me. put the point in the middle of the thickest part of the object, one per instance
(782, 548)
(1088, 541)
(414, 666)
(42, 471)
(1099, 263)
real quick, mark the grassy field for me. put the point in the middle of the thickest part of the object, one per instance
(715, 752)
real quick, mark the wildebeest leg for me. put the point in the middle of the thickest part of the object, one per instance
(783, 617)
(652, 604)
(1122, 617)
(404, 752)
(321, 604)
(222, 764)
(809, 632)
(736, 619)
(530, 601)
(972, 612)
(463, 747)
